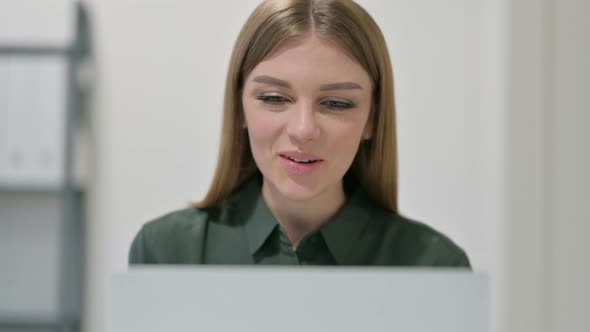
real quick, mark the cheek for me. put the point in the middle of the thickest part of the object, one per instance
(263, 131)
(344, 143)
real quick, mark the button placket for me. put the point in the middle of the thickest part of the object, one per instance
(305, 251)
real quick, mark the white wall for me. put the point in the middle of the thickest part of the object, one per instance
(569, 190)
(547, 251)
(161, 68)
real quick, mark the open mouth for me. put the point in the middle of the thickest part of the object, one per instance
(300, 161)
(300, 164)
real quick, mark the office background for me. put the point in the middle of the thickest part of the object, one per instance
(493, 114)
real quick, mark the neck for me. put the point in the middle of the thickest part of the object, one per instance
(299, 218)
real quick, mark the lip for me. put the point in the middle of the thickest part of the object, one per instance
(300, 155)
(299, 169)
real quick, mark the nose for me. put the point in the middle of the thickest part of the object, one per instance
(303, 126)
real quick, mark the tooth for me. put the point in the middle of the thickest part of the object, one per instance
(300, 160)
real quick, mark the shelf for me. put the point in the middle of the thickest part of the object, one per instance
(34, 323)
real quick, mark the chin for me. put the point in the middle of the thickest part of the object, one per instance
(297, 190)
(298, 195)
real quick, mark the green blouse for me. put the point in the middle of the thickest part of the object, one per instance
(243, 230)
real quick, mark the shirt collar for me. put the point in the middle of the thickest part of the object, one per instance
(345, 229)
(259, 220)
(341, 233)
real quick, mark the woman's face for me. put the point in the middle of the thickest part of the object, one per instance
(307, 108)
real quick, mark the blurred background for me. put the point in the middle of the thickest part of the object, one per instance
(110, 115)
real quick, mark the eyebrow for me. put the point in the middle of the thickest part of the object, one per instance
(272, 81)
(341, 86)
(327, 87)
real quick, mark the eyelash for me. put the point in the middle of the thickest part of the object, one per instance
(332, 104)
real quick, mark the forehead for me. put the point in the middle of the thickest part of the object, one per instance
(312, 59)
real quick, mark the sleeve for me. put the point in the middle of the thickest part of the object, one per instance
(462, 260)
(448, 254)
(139, 253)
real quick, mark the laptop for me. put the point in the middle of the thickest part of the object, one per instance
(290, 299)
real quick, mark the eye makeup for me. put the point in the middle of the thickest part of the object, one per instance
(330, 104)
(338, 105)
(272, 99)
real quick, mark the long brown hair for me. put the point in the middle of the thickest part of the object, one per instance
(349, 25)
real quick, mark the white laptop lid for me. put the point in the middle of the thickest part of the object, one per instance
(289, 299)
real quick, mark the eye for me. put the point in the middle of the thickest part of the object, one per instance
(338, 105)
(272, 100)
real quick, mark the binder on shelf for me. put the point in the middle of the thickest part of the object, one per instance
(37, 24)
(33, 117)
(43, 46)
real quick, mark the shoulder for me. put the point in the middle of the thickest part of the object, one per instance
(416, 243)
(189, 219)
(172, 237)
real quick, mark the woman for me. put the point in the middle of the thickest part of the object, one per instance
(307, 166)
